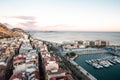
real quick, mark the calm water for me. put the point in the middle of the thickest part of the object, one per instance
(60, 36)
(110, 73)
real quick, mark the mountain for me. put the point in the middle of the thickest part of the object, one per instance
(17, 30)
(5, 32)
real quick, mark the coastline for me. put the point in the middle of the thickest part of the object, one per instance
(86, 75)
(74, 57)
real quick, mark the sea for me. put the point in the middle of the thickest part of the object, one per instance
(61, 36)
(111, 73)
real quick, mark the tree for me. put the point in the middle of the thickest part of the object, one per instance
(71, 54)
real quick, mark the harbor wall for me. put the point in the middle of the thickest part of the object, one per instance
(82, 72)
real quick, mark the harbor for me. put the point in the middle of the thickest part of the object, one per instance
(104, 62)
(105, 73)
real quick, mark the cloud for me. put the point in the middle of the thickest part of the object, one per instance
(29, 24)
(24, 22)
(60, 27)
(21, 17)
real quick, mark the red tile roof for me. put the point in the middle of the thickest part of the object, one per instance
(19, 75)
(62, 77)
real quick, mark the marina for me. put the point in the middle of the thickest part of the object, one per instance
(103, 73)
(103, 62)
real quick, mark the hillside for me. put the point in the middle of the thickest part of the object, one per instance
(5, 32)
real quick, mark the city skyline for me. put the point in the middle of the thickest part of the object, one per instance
(61, 15)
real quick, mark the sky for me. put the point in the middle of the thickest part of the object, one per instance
(61, 15)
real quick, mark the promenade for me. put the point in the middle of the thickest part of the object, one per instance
(86, 75)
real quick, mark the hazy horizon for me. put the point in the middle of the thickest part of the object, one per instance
(67, 31)
(62, 15)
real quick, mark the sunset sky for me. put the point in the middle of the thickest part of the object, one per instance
(71, 15)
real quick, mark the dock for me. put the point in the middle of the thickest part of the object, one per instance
(104, 62)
